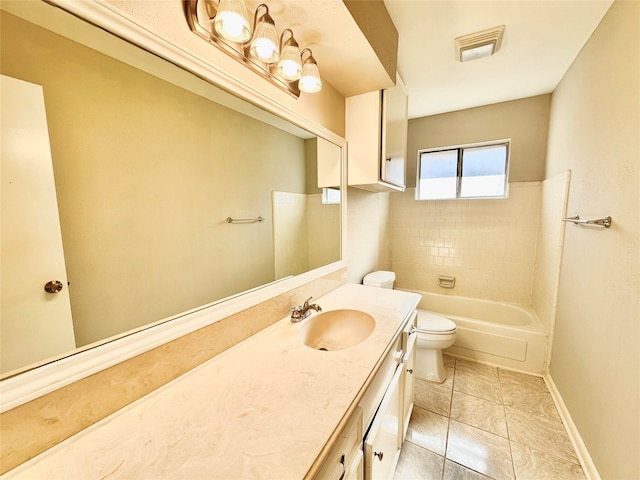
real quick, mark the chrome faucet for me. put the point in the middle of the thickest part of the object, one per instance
(301, 312)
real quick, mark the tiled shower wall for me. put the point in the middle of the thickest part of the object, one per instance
(506, 249)
(489, 245)
(550, 243)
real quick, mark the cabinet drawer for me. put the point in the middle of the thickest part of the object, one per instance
(342, 460)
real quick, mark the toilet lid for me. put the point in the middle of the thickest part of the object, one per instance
(432, 323)
(381, 276)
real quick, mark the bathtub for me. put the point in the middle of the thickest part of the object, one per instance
(498, 333)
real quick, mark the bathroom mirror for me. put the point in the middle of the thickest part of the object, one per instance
(171, 193)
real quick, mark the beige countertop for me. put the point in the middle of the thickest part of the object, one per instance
(263, 409)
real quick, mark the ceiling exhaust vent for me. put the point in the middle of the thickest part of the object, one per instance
(479, 44)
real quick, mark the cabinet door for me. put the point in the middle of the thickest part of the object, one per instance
(382, 444)
(394, 138)
(408, 365)
(362, 128)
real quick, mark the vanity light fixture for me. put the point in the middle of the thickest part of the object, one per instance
(479, 44)
(310, 81)
(225, 24)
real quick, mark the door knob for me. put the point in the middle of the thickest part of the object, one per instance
(409, 371)
(379, 455)
(54, 286)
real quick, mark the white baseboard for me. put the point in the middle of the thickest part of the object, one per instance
(584, 458)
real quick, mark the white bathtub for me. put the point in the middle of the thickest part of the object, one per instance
(498, 333)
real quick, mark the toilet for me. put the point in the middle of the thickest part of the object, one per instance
(435, 333)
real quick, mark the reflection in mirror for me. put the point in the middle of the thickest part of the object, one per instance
(149, 161)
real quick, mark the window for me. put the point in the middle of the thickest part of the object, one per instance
(468, 171)
(330, 196)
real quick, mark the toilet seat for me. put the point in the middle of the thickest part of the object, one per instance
(434, 324)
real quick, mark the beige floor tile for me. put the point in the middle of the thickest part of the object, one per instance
(478, 370)
(428, 430)
(449, 360)
(477, 447)
(478, 412)
(534, 465)
(530, 400)
(482, 386)
(481, 451)
(531, 382)
(416, 463)
(540, 433)
(433, 396)
(453, 471)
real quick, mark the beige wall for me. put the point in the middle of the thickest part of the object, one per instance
(524, 121)
(594, 131)
(146, 174)
(369, 235)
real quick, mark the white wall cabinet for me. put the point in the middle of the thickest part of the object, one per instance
(376, 132)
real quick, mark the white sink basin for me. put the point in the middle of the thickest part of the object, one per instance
(337, 329)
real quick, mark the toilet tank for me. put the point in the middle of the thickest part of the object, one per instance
(381, 278)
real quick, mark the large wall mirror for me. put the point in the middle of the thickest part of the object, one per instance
(170, 193)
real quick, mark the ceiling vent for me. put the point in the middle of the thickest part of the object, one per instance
(479, 44)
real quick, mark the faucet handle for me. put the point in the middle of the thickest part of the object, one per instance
(306, 302)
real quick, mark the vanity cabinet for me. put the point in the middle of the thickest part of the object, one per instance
(344, 461)
(387, 406)
(376, 132)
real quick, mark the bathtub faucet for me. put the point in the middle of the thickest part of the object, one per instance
(301, 312)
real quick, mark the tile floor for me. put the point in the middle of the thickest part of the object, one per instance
(483, 423)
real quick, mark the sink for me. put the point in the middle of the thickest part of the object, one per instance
(337, 329)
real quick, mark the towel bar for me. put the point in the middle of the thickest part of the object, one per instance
(602, 222)
(245, 220)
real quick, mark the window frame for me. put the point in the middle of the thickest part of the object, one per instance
(460, 148)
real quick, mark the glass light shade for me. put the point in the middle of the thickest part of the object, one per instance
(310, 81)
(232, 21)
(264, 45)
(289, 66)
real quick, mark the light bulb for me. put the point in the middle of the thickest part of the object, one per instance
(289, 66)
(265, 50)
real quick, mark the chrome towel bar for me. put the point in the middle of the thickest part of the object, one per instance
(245, 220)
(602, 222)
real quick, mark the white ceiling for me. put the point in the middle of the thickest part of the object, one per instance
(541, 40)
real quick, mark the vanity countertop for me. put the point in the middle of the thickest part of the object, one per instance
(262, 409)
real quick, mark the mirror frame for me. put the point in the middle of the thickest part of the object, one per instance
(65, 369)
